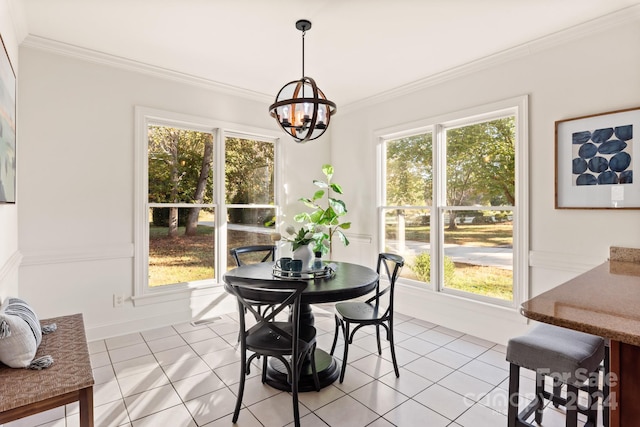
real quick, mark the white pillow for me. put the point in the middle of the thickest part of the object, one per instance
(20, 333)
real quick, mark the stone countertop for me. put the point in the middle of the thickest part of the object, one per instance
(604, 301)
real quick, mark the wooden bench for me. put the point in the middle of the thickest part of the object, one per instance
(25, 392)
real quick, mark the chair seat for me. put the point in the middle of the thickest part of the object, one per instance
(359, 312)
(266, 341)
(565, 352)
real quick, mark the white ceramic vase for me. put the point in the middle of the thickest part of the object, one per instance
(304, 253)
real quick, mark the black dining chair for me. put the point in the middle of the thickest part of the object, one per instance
(286, 341)
(376, 311)
(245, 255)
(252, 254)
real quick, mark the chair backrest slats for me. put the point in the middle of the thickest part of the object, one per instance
(389, 268)
(280, 294)
(252, 254)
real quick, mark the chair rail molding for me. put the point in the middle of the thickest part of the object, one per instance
(575, 263)
(77, 254)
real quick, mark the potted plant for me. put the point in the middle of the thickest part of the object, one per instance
(324, 222)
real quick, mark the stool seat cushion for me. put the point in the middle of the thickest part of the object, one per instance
(558, 352)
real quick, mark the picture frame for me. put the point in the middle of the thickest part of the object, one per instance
(7, 128)
(595, 157)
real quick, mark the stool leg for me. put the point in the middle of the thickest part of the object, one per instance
(540, 396)
(572, 406)
(605, 387)
(557, 391)
(594, 391)
(514, 389)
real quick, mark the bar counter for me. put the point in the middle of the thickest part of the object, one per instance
(604, 301)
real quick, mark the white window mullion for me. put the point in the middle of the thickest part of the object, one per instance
(439, 192)
(221, 211)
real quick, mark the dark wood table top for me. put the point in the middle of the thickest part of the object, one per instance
(349, 281)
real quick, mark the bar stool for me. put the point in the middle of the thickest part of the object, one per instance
(569, 357)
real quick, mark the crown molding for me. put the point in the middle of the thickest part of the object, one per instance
(65, 49)
(594, 26)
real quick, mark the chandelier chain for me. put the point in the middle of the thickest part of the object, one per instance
(304, 32)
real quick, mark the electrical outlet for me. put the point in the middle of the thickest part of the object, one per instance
(118, 300)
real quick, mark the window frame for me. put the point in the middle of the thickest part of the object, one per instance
(144, 116)
(518, 107)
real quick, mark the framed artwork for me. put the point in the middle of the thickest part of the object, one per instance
(596, 157)
(7, 128)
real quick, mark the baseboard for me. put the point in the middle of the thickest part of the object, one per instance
(490, 322)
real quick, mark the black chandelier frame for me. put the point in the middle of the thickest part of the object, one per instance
(303, 117)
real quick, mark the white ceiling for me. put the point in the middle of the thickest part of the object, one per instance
(356, 48)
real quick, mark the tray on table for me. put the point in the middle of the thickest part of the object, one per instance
(327, 271)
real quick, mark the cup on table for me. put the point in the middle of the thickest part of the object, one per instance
(284, 264)
(296, 267)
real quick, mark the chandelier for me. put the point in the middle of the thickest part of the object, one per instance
(301, 108)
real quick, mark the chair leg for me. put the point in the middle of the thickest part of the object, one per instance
(295, 375)
(378, 339)
(312, 360)
(335, 335)
(393, 351)
(243, 373)
(264, 369)
(345, 330)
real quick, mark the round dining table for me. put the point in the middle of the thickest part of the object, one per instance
(348, 281)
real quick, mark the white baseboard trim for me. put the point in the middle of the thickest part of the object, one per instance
(129, 326)
(197, 308)
(486, 321)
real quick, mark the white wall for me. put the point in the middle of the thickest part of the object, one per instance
(568, 78)
(77, 185)
(9, 255)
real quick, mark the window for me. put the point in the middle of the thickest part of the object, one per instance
(201, 190)
(453, 202)
(249, 195)
(180, 204)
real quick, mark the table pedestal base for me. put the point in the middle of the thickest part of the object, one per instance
(328, 372)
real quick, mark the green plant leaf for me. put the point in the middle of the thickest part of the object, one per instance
(328, 171)
(301, 217)
(308, 202)
(342, 237)
(320, 184)
(337, 188)
(316, 216)
(318, 194)
(338, 206)
(345, 225)
(330, 214)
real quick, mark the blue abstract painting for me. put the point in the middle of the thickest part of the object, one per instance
(602, 156)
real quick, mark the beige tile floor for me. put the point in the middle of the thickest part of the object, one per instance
(187, 375)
